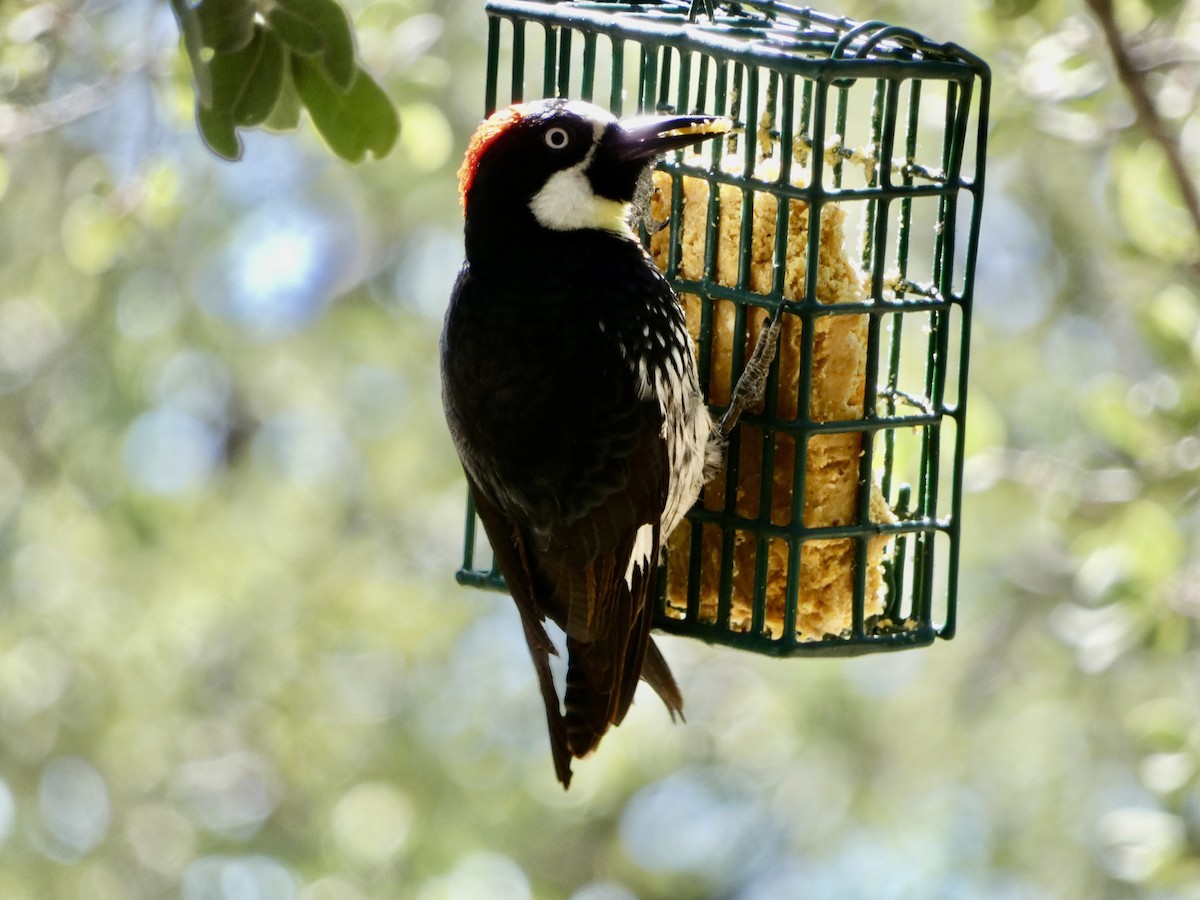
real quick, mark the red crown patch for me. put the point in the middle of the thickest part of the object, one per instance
(487, 132)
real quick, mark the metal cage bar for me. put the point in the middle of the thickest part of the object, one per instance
(832, 117)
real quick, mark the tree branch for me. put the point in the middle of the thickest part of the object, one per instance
(19, 123)
(1133, 79)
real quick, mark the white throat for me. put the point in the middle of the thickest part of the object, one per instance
(567, 202)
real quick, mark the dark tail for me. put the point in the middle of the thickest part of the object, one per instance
(540, 649)
(656, 673)
(589, 706)
(594, 704)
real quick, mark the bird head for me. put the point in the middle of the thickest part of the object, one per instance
(565, 165)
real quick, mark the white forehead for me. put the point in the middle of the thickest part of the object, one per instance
(585, 110)
(600, 117)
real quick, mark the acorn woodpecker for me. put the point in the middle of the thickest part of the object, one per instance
(570, 391)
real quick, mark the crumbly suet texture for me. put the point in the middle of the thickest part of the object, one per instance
(826, 575)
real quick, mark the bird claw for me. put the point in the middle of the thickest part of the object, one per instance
(752, 384)
(757, 370)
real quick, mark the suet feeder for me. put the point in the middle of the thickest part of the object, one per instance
(848, 198)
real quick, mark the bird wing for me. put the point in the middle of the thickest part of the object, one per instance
(508, 547)
(594, 574)
(581, 574)
(601, 570)
(569, 467)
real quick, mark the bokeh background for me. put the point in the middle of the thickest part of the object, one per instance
(234, 664)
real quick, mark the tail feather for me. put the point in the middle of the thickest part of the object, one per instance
(597, 675)
(536, 638)
(602, 673)
(588, 710)
(591, 711)
(602, 676)
(657, 674)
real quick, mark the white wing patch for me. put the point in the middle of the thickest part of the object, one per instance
(643, 549)
(686, 424)
(686, 428)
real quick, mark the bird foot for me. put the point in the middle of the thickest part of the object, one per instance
(752, 383)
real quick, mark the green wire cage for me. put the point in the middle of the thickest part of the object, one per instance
(848, 198)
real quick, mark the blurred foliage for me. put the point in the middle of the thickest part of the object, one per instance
(256, 63)
(233, 661)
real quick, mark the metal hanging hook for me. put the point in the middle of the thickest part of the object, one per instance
(706, 5)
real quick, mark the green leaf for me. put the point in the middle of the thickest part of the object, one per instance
(1164, 8)
(226, 25)
(1013, 9)
(193, 42)
(260, 90)
(246, 86)
(285, 116)
(329, 21)
(353, 123)
(1149, 205)
(296, 31)
(218, 131)
(1170, 323)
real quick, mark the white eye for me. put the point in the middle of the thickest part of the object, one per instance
(557, 138)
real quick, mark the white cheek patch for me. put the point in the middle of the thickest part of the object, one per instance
(567, 202)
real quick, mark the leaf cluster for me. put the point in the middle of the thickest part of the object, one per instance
(257, 63)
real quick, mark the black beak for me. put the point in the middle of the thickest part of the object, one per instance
(645, 137)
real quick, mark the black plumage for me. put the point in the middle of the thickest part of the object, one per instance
(570, 392)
